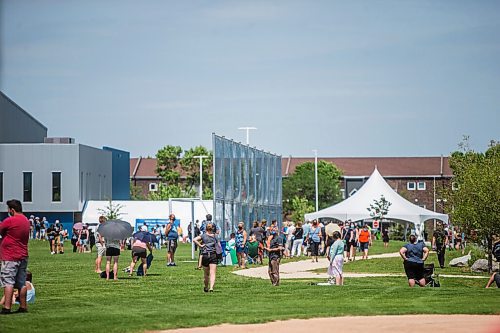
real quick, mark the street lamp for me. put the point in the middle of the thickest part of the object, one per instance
(316, 175)
(248, 129)
(201, 157)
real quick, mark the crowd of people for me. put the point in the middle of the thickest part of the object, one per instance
(338, 242)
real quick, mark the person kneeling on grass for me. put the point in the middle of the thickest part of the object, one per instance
(28, 289)
(414, 254)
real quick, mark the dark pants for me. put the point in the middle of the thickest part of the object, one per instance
(440, 254)
(274, 271)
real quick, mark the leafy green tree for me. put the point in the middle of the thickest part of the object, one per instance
(136, 192)
(300, 207)
(111, 211)
(379, 208)
(191, 167)
(164, 192)
(167, 160)
(476, 202)
(301, 184)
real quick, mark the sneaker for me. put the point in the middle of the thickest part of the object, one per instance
(52, 252)
(22, 310)
(205, 290)
(173, 264)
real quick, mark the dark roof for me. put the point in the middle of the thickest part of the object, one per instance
(350, 166)
(387, 166)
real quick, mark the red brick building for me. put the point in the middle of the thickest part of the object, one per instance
(418, 179)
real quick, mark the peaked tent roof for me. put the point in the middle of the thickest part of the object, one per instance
(355, 207)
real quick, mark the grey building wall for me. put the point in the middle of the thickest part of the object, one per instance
(85, 174)
(18, 126)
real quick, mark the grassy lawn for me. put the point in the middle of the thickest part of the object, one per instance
(70, 297)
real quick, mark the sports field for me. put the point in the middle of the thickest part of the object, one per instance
(71, 298)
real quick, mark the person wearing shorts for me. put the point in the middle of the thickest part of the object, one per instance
(139, 250)
(15, 232)
(172, 237)
(414, 255)
(100, 246)
(365, 239)
(209, 260)
(241, 245)
(112, 253)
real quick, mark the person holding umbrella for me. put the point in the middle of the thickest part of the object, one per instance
(142, 243)
(114, 231)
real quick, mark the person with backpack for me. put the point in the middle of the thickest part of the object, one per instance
(210, 248)
(172, 237)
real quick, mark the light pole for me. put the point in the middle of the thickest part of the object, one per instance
(316, 175)
(248, 129)
(201, 157)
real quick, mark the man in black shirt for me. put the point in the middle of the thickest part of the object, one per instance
(274, 248)
(439, 243)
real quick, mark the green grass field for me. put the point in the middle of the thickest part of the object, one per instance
(71, 298)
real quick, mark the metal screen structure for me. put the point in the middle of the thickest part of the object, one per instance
(246, 185)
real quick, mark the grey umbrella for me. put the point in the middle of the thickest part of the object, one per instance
(115, 230)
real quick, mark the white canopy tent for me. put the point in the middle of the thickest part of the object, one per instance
(355, 207)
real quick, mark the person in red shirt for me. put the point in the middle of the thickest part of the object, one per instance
(15, 232)
(365, 240)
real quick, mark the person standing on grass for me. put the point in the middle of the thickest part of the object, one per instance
(43, 228)
(336, 259)
(439, 243)
(414, 254)
(209, 258)
(274, 247)
(100, 246)
(172, 237)
(365, 240)
(241, 245)
(259, 236)
(15, 232)
(83, 239)
(352, 239)
(314, 239)
(385, 237)
(112, 253)
(298, 235)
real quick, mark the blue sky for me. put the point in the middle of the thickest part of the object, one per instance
(349, 78)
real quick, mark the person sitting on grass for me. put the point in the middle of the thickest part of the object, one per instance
(494, 277)
(414, 254)
(28, 288)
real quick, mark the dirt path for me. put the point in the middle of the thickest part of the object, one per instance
(304, 269)
(375, 324)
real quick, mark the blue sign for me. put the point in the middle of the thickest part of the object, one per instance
(152, 223)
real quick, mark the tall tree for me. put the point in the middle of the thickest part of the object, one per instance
(167, 163)
(476, 202)
(191, 167)
(301, 184)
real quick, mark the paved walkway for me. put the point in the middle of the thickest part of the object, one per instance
(375, 324)
(304, 269)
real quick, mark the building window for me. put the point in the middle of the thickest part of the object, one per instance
(27, 186)
(421, 186)
(411, 186)
(454, 186)
(56, 186)
(353, 192)
(153, 187)
(1, 186)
